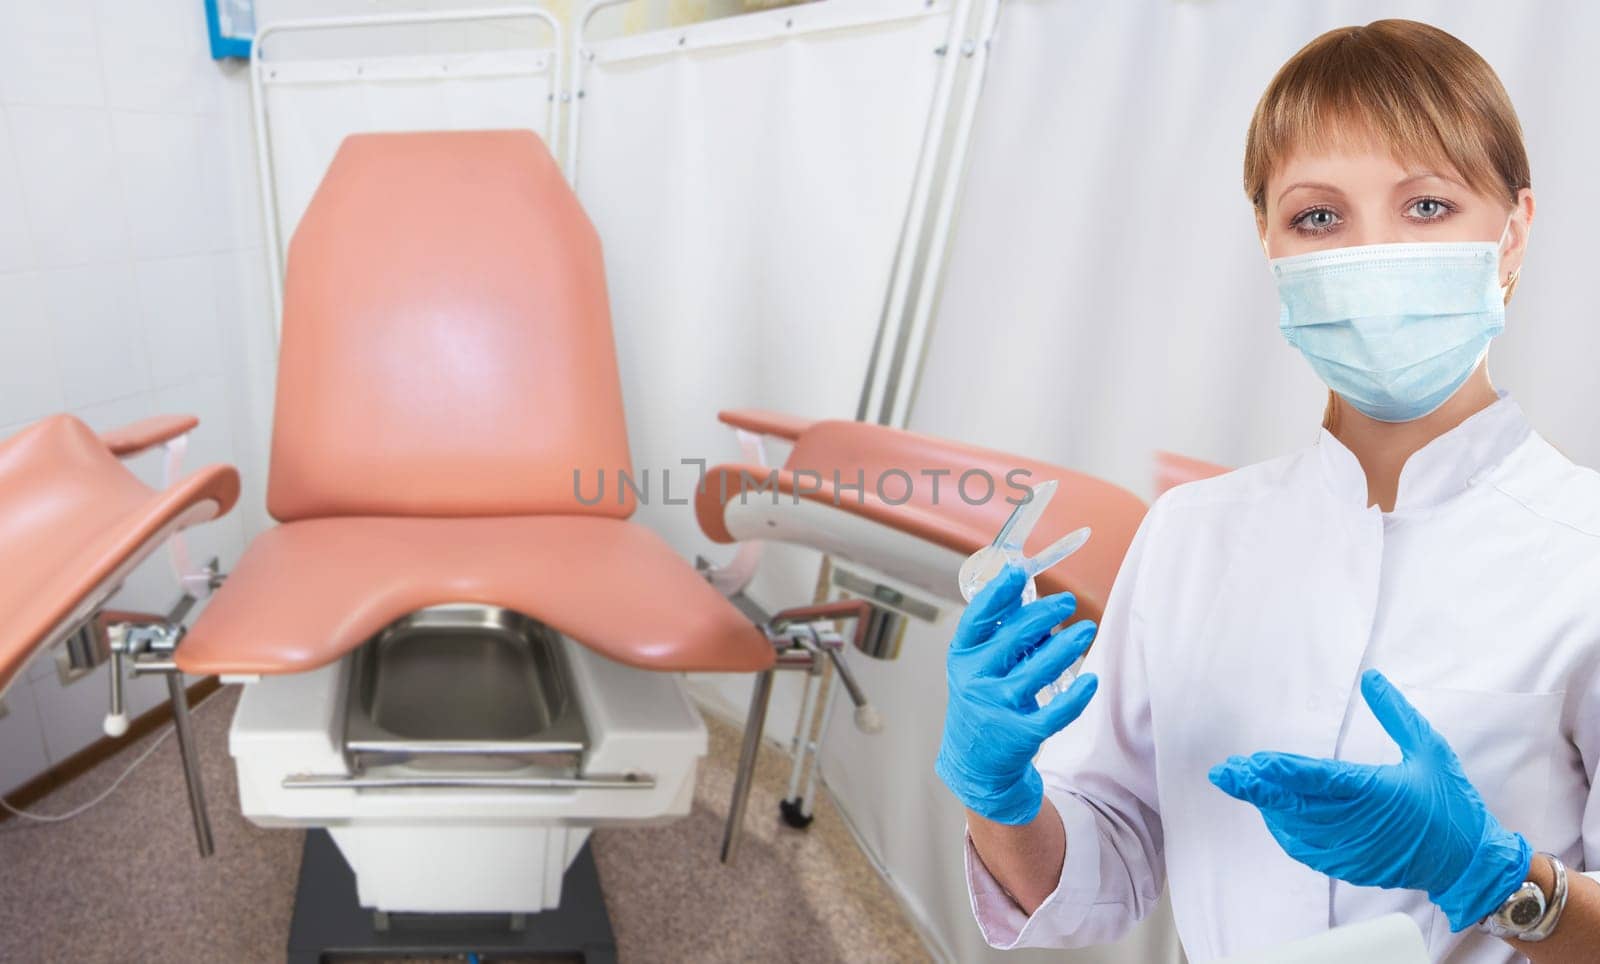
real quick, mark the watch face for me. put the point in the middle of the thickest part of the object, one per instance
(1526, 912)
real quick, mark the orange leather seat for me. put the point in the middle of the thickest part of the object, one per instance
(446, 376)
(307, 592)
(74, 522)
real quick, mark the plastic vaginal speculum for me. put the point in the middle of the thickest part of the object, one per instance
(985, 564)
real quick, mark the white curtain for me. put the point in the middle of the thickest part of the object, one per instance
(1106, 295)
(312, 105)
(749, 185)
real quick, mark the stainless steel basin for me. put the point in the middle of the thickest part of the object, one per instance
(463, 687)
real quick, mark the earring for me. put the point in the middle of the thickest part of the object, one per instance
(1511, 278)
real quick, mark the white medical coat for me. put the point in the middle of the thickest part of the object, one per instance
(1242, 618)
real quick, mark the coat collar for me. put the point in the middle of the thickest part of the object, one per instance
(1440, 470)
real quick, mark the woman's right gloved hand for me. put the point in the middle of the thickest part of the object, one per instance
(1002, 655)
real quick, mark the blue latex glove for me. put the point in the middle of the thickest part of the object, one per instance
(1002, 655)
(1418, 824)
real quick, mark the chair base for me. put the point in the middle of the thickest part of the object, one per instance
(329, 924)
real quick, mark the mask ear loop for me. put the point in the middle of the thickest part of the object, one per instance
(1505, 289)
(1511, 279)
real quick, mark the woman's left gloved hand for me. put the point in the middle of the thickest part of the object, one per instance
(1417, 824)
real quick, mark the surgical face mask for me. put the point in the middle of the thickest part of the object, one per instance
(1394, 329)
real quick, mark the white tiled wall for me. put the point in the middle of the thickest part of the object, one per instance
(132, 279)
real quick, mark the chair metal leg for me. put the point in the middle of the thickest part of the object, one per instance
(753, 726)
(191, 763)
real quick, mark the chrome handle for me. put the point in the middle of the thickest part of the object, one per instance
(867, 718)
(626, 781)
(116, 722)
(460, 747)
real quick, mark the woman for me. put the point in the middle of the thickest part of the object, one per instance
(1356, 680)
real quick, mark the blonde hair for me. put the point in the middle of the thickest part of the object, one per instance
(1404, 85)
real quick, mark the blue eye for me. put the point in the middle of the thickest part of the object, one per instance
(1429, 209)
(1315, 221)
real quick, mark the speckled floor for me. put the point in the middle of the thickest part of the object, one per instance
(123, 881)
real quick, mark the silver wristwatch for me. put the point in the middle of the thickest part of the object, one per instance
(1526, 915)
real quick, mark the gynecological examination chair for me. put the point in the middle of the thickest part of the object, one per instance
(456, 665)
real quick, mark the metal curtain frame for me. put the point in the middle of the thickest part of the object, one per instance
(258, 66)
(898, 293)
(904, 374)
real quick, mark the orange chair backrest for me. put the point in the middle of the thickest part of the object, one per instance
(447, 346)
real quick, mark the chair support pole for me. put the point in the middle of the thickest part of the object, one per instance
(753, 726)
(191, 763)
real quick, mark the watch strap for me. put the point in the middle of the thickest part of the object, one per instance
(1557, 903)
(1502, 922)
